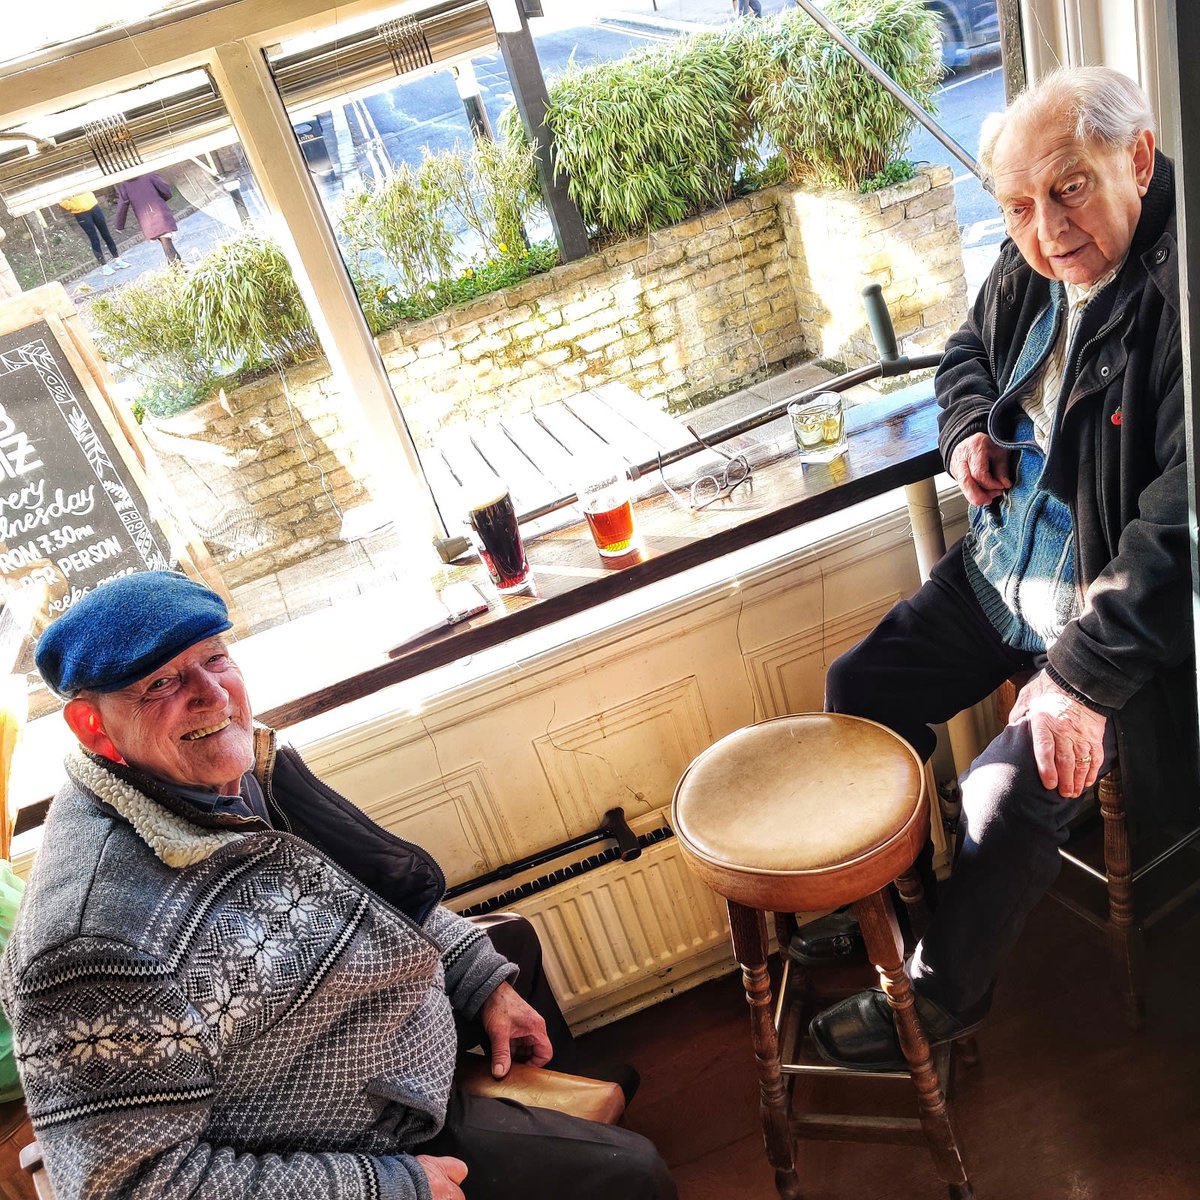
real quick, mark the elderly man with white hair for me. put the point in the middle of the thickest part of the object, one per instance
(1062, 421)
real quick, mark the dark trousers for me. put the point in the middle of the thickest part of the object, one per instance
(513, 1152)
(928, 659)
(95, 226)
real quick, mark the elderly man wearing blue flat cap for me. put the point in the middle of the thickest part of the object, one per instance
(225, 981)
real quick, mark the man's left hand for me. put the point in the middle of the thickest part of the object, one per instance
(1068, 737)
(514, 1030)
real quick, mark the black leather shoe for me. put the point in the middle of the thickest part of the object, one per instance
(860, 1032)
(835, 938)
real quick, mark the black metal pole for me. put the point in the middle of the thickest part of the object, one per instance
(892, 87)
(529, 95)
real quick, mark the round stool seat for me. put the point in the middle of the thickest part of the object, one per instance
(813, 810)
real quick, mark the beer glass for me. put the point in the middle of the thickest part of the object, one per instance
(820, 427)
(493, 520)
(603, 490)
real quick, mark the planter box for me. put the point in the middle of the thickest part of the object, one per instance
(905, 238)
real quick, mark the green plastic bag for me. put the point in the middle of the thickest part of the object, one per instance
(11, 887)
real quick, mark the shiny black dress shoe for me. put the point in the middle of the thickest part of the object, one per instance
(860, 1032)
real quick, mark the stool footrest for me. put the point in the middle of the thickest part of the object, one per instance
(833, 1127)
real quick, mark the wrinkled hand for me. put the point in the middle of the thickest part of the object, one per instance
(981, 469)
(444, 1175)
(1068, 738)
(514, 1030)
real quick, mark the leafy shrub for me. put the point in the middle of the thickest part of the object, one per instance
(183, 334)
(492, 187)
(754, 178)
(245, 307)
(400, 220)
(649, 139)
(900, 171)
(835, 125)
(473, 281)
(149, 328)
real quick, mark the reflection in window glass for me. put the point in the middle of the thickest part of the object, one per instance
(179, 282)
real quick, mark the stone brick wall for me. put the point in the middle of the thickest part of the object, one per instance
(258, 472)
(905, 238)
(683, 316)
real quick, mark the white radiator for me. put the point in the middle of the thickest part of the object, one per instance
(626, 934)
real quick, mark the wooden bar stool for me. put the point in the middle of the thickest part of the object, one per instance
(1142, 883)
(803, 813)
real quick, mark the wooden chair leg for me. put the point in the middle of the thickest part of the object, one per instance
(1125, 931)
(882, 935)
(748, 929)
(913, 894)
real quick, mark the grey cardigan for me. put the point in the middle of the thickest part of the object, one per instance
(203, 1005)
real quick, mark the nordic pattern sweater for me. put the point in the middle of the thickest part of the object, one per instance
(222, 1009)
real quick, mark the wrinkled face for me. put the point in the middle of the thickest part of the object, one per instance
(1071, 206)
(188, 722)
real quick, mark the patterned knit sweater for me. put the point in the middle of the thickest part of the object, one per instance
(1020, 550)
(225, 1010)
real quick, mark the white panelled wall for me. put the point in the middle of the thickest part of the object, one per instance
(538, 752)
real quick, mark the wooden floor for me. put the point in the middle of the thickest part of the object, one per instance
(1066, 1104)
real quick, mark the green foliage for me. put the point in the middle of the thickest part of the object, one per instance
(184, 334)
(245, 308)
(400, 220)
(900, 171)
(649, 139)
(492, 187)
(148, 327)
(754, 178)
(474, 281)
(652, 138)
(835, 125)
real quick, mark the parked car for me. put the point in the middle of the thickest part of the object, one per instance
(967, 27)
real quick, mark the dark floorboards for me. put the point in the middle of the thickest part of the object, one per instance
(1066, 1103)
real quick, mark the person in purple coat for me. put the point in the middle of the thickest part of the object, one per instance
(147, 195)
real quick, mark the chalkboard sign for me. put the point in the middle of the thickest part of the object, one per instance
(71, 513)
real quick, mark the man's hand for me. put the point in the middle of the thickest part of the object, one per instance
(1068, 738)
(444, 1175)
(514, 1030)
(981, 469)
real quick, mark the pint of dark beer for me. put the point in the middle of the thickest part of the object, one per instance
(498, 538)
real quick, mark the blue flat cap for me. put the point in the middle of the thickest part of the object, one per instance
(126, 628)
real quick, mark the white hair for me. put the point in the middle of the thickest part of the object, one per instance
(1095, 103)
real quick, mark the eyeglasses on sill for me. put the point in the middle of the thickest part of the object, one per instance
(712, 487)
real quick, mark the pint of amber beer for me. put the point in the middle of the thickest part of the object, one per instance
(603, 493)
(498, 538)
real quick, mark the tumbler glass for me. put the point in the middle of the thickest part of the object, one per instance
(820, 427)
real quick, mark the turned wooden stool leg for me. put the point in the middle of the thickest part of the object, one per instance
(1125, 931)
(882, 936)
(748, 928)
(913, 894)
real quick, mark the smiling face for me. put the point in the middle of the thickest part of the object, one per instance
(1070, 205)
(188, 722)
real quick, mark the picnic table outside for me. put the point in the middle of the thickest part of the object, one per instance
(538, 454)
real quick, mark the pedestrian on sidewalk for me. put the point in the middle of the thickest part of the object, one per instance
(86, 210)
(147, 195)
(747, 8)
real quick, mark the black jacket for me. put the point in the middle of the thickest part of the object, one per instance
(1120, 462)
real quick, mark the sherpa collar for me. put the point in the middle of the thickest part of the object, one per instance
(177, 841)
